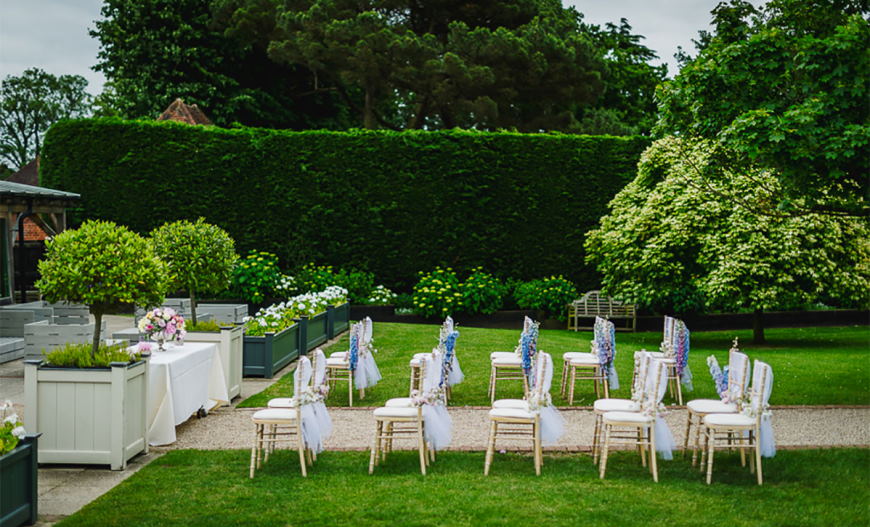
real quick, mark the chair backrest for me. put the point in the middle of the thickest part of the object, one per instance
(302, 376)
(447, 326)
(543, 373)
(366, 333)
(643, 359)
(432, 371)
(656, 383)
(738, 374)
(318, 361)
(529, 346)
(604, 340)
(762, 385)
(354, 350)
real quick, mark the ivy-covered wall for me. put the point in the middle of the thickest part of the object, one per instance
(393, 203)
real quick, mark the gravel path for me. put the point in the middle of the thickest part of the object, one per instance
(230, 428)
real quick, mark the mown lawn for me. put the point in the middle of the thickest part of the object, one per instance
(203, 488)
(815, 366)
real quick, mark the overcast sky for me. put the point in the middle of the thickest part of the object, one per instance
(53, 34)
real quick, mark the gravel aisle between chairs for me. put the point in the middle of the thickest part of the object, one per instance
(230, 428)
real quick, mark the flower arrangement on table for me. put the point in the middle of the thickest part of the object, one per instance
(278, 317)
(11, 429)
(162, 324)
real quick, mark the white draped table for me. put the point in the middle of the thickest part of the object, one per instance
(183, 379)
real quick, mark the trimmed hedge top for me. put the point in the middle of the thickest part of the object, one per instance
(393, 203)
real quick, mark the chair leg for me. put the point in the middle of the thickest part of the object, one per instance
(703, 449)
(596, 431)
(688, 432)
(362, 394)
(539, 457)
(421, 444)
(697, 440)
(492, 385)
(606, 387)
(603, 468)
(679, 391)
(373, 459)
(254, 451)
(640, 443)
(301, 447)
(388, 441)
(490, 447)
(711, 444)
(564, 377)
(350, 389)
(652, 454)
(758, 458)
(573, 375)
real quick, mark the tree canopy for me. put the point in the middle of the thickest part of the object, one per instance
(30, 104)
(668, 246)
(784, 87)
(155, 51)
(529, 65)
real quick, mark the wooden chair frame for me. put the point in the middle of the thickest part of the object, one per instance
(640, 434)
(265, 440)
(593, 372)
(336, 373)
(515, 427)
(506, 372)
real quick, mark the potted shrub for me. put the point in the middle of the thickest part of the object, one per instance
(89, 401)
(18, 462)
(200, 256)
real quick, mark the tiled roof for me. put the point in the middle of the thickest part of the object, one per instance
(184, 113)
(28, 174)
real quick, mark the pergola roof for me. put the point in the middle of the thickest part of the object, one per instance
(16, 191)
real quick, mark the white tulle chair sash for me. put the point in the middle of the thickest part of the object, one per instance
(438, 429)
(551, 421)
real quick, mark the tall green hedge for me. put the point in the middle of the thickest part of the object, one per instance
(393, 203)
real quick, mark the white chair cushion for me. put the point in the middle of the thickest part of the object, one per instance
(616, 405)
(415, 362)
(398, 402)
(511, 403)
(591, 360)
(338, 355)
(396, 412)
(511, 413)
(337, 362)
(711, 406)
(282, 402)
(578, 355)
(508, 361)
(274, 414)
(501, 354)
(728, 420)
(627, 417)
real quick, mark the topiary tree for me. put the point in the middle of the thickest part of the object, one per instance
(104, 266)
(672, 245)
(200, 256)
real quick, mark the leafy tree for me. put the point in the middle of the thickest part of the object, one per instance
(30, 104)
(200, 256)
(103, 265)
(627, 104)
(671, 245)
(523, 64)
(154, 51)
(783, 87)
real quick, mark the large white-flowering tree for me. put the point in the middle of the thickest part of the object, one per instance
(677, 242)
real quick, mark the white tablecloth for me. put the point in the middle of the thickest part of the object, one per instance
(183, 379)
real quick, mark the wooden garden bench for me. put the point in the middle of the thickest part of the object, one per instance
(594, 304)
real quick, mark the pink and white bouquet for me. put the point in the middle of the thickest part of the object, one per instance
(163, 324)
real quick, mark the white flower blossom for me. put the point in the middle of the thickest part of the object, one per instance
(19, 432)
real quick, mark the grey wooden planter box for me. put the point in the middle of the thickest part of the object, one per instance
(63, 313)
(44, 336)
(230, 343)
(226, 313)
(40, 310)
(18, 494)
(317, 331)
(88, 416)
(12, 321)
(11, 348)
(263, 356)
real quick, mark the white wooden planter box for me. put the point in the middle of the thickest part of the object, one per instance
(44, 336)
(87, 416)
(230, 343)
